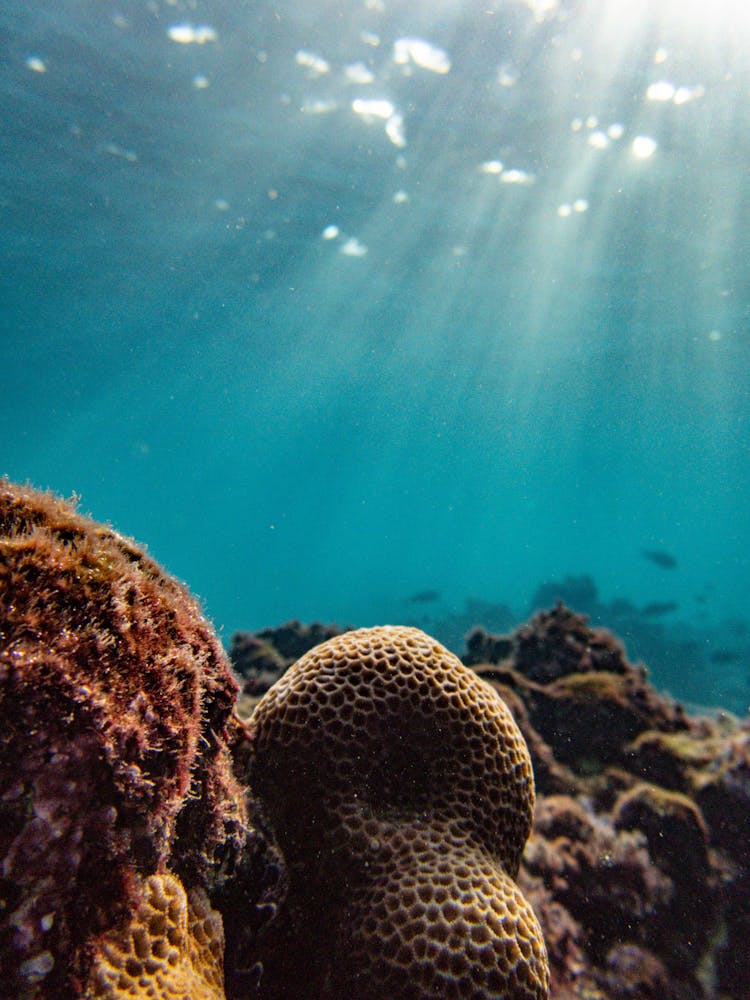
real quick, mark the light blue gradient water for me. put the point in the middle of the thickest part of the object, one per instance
(516, 381)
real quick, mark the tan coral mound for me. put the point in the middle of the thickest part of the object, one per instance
(171, 949)
(400, 790)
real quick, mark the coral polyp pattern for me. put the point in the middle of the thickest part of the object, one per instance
(400, 790)
(172, 948)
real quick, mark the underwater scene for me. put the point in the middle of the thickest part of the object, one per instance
(393, 639)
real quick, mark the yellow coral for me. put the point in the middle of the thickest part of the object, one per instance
(172, 949)
(401, 792)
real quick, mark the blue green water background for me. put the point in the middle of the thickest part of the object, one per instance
(322, 356)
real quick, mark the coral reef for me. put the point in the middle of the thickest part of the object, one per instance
(637, 865)
(260, 658)
(400, 792)
(363, 833)
(646, 849)
(115, 710)
(172, 947)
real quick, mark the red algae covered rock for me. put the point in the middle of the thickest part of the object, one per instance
(581, 694)
(638, 865)
(115, 709)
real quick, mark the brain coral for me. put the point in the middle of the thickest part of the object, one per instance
(401, 793)
(115, 702)
(171, 948)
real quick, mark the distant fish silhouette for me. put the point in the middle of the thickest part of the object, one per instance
(424, 597)
(725, 656)
(660, 558)
(658, 608)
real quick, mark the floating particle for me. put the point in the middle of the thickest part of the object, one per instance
(318, 106)
(221, 204)
(35, 64)
(394, 129)
(189, 34)
(315, 65)
(373, 108)
(125, 154)
(661, 55)
(576, 125)
(201, 82)
(400, 197)
(507, 75)
(599, 139)
(491, 167)
(369, 38)
(542, 9)
(564, 210)
(516, 176)
(580, 205)
(331, 232)
(714, 335)
(353, 248)
(421, 53)
(358, 73)
(616, 131)
(683, 95)
(643, 147)
(662, 90)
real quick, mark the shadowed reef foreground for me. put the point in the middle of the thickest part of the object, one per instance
(362, 833)
(637, 865)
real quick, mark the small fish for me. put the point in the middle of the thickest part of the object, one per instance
(424, 597)
(725, 656)
(658, 608)
(660, 558)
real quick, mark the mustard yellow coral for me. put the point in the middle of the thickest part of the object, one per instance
(172, 949)
(401, 793)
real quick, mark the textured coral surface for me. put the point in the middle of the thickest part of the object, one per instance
(172, 949)
(115, 698)
(400, 791)
(637, 865)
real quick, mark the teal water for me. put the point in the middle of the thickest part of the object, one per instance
(333, 304)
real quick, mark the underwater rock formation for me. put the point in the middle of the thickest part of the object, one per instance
(400, 792)
(637, 865)
(362, 835)
(642, 851)
(115, 710)
(260, 658)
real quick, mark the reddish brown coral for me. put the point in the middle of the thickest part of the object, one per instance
(653, 877)
(115, 699)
